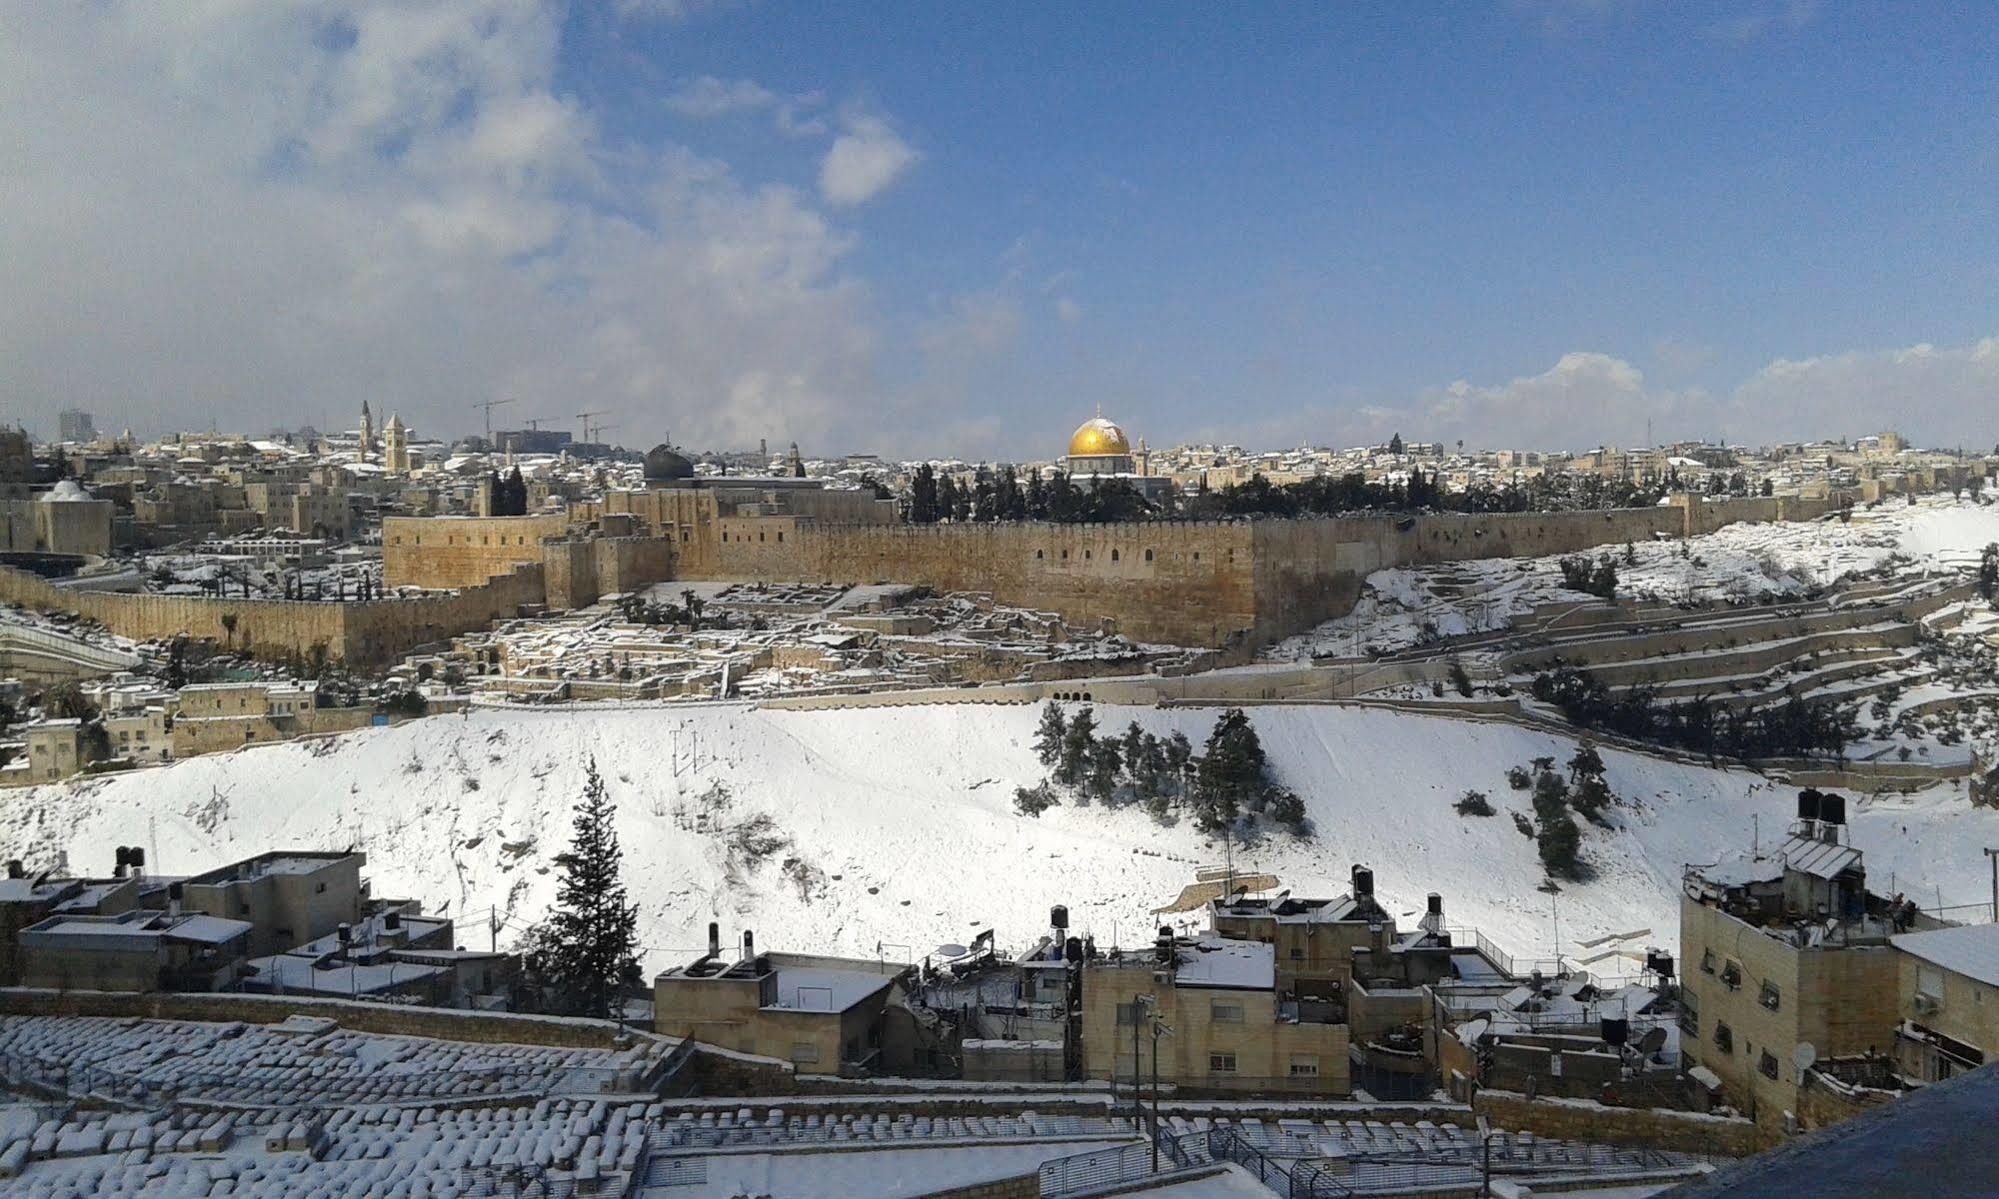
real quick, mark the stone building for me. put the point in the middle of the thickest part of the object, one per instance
(1787, 964)
(288, 897)
(1947, 988)
(1232, 1029)
(825, 1015)
(136, 950)
(396, 446)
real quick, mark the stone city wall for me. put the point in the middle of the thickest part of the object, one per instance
(1234, 585)
(438, 552)
(375, 631)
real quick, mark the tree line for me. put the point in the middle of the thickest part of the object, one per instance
(1228, 787)
(1795, 727)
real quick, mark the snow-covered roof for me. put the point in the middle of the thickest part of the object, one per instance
(66, 491)
(1226, 963)
(820, 989)
(1971, 950)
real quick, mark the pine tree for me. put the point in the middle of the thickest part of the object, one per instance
(1078, 745)
(1048, 739)
(923, 496)
(589, 949)
(1988, 572)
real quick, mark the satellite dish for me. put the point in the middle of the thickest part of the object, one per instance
(1803, 1056)
(1652, 1042)
(951, 951)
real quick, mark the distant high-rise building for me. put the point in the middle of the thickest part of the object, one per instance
(74, 424)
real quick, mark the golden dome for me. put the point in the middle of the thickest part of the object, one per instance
(1098, 438)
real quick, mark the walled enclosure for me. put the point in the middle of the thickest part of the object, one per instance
(1237, 584)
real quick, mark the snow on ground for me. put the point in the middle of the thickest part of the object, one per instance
(1409, 606)
(892, 830)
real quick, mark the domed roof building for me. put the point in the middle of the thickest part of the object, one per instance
(1099, 447)
(667, 467)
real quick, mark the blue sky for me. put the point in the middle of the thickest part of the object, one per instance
(1515, 221)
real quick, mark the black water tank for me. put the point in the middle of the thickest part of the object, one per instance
(1363, 882)
(1832, 808)
(1072, 949)
(1808, 804)
(1058, 916)
(1659, 962)
(392, 921)
(14, 869)
(122, 859)
(138, 856)
(1616, 1030)
(346, 933)
(1436, 904)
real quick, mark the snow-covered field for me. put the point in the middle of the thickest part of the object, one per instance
(1405, 607)
(893, 827)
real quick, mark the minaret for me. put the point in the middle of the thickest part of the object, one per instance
(797, 463)
(367, 431)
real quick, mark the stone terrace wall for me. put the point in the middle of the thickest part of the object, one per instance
(1642, 1128)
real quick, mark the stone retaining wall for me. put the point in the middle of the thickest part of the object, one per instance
(1641, 1128)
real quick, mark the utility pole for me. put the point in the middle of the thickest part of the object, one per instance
(1993, 855)
(493, 928)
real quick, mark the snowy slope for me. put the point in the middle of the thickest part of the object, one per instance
(1403, 607)
(895, 826)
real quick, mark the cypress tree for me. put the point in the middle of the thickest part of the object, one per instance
(591, 949)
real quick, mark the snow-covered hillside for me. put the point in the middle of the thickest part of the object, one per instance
(1404, 607)
(845, 830)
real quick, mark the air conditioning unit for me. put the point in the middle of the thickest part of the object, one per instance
(1928, 1005)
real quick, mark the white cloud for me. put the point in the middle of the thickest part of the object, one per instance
(708, 96)
(1069, 310)
(260, 214)
(862, 162)
(1942, 397)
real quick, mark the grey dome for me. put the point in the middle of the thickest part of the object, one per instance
(664, 464)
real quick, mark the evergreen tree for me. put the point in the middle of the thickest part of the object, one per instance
(947, 498)
(1049, 738)
(1009, 502)
(985, 498)
(1077, 746)
(1587, 763)
(1395, 445)
(587, 949)
(1988, 572)
(1231, 773)
(923, 496)
(1036, 497)
(1106, 762)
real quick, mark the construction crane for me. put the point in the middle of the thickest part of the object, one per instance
(587, 426)
(489, 405)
